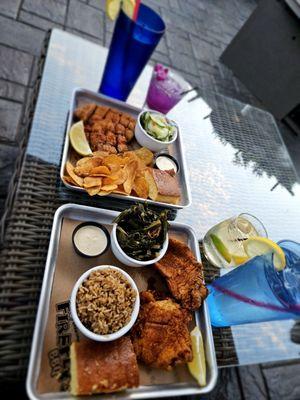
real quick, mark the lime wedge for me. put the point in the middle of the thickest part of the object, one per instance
(128, 7)
(112, 8)
(257, 246)
(220, 246)
(197, 366)
(78, 139)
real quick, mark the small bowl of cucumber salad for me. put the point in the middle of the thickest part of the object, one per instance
(155, 131)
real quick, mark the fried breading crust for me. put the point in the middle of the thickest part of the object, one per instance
(106, 128)
(183, 274)
(103, 367)
(160, 336)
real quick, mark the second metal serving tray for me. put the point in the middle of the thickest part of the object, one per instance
(83, 96)
(144, 391)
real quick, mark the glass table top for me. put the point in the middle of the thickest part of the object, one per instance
(236, 159)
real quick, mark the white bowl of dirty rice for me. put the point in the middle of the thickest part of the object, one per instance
(104, 303)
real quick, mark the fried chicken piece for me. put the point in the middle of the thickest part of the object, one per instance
(101, 111)
(102, 367)
(129, 134)
(109, 148)
(113, 116)
(131, 125)
(110, 126)
(121, 139)
(124, 120)
(160, 336)
(122, 148)
(85, 112)
(183, 274)
(120, 129)
(111, 138)
(97, 138)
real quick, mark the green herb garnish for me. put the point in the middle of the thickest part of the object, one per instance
(141, 232)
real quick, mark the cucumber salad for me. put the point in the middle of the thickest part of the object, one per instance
(158, 126)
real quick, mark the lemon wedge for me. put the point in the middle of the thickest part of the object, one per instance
(257, 246)
(78, 139)
(113, 8)
(128, 7)
(197, 366)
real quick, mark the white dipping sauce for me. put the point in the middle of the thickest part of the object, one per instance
(90, 240)
(165, 163)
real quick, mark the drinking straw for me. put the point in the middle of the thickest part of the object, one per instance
(136, 10)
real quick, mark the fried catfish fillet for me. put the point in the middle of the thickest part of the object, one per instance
(103, 367)
(183, 274)
(160, 336)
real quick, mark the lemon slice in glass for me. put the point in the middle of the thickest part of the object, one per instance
(197, 366)
(78, 139)
(113, 8)
(257, 246)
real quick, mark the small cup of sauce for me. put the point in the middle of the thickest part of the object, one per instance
(90, 239)
(165, 162)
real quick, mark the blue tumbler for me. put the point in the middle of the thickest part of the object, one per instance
(132, 44)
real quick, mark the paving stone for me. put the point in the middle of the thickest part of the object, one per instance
(227, 387)
(283, 382)
(11, 90)
(183, 62)
(15, 65)
(156, 5)
(162, 46)
(107, 40)
(179, 41)
(85, 19)
(98, 4)
(204, 51)
(252, 382)
(160, 58)
(54, 10)
(21, 36)
(109, 25)
(177, 21)
(10, 7)
(10, 113)
(38, 22)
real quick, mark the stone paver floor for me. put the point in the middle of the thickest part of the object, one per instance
(197, 33)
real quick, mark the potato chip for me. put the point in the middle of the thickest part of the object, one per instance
(131, 170)
(83, 160)
(69, 180)
(70, 170)
(113, 159)
(141, 187)
(120, 190)
(93, 190)
(90, 181)
(145, 155)
(87, 166)
(108, 188)
(101, 169)
(103, 193)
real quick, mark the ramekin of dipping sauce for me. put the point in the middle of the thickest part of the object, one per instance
(90, 239)
(165, 162)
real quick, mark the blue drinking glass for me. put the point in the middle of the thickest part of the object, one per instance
(131, 47)
(256, 291)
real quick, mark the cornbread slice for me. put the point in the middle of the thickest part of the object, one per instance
(103, 367)
(162, 186)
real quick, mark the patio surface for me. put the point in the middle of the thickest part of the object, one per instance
(197, 33)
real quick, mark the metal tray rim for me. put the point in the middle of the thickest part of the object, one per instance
(41, 317)
(118, 196)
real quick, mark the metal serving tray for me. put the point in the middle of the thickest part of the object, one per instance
(83, 96)
(84, 213)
